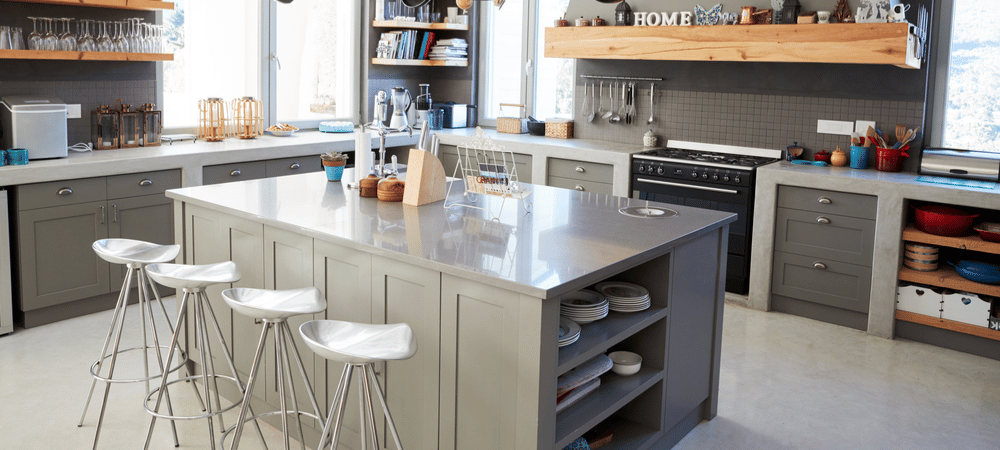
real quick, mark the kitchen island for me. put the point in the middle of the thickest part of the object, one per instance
(482, 296)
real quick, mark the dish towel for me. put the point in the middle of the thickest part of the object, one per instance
(958, 182)
(575, 395)
(583, 373)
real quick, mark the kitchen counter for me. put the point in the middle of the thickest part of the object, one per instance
(482, 295)
(893, 190)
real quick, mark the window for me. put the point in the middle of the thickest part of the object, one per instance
(513, 66)
(299, 59)
(971, 99)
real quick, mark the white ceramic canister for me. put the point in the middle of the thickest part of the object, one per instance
(649, 139)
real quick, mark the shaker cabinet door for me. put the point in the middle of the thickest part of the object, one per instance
(148, 218)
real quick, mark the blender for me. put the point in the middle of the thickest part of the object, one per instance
(401, 102)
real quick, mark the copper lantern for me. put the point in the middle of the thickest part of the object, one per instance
(213, 121)
(247, 122)
(128, 126)
(152, 125)
(104, 128)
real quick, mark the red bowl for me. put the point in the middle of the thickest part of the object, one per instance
(989, 231)
(944, 220)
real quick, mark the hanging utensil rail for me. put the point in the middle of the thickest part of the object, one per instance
(607, 77)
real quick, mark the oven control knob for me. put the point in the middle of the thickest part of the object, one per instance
(725, 178)
(715, 177)
(642, 168)
(705, 175)
(736, 180)
(694, 174)
(659, 170)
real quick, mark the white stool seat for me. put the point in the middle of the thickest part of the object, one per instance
(357, 343)
(265, 304)
(125, 251)
(181, 276)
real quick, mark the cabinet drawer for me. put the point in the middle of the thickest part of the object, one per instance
(292, 166)
(823, 281)
(225, 173)
(828, 202)
(820, 235)
(580, 170)
(146, 183)
(61, 193)
(580, 185)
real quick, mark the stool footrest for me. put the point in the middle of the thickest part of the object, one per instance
(229, 431)
(152, 394)
(180, 363)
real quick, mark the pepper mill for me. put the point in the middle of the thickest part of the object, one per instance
(369, 185)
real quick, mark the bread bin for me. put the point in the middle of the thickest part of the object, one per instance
(960, 164)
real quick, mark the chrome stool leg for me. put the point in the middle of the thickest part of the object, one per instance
(250, 384)
(385, 406)
(104, 351)
(111, 366)
(170, 325)
(181, 319)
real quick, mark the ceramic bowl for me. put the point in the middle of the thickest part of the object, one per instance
(285, 133)
(625, 363)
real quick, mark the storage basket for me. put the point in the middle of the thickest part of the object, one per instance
(559, 128)
(513, 125)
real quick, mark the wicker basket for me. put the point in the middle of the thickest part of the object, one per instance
(513, 125)
(559, 128)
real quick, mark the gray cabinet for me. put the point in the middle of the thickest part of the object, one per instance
(292, 166)
(226, 173)
(580, 175)
(823, 281)
(448, 154)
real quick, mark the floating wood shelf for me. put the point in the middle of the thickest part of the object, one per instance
(946, 277)
(84, 56)
(418, 62)
(971, 242)
(958, 327)
(141, 5)
(864, 43)
(419, 25)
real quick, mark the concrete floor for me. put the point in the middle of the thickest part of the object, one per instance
(787, 382)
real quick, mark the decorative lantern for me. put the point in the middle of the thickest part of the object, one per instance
(212, 122)
(129, 127)
(152, 125)
(247, 123)
(623, 14)
(104, 128)
(790, 11)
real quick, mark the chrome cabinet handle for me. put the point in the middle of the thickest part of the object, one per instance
(580, 169)
(823, 220)
(825, 200)
(579, 187)
(294, 166)
(103, 215)
(146, 182)
(819, 265)
(235, 173)
(114, 213)
(64, 191)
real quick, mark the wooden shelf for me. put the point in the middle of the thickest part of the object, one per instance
(141, 5)
(597, 337)
(614, 392)
(419, 25)
(84, 56)
(971, 242)
(951, 325)
(418, 62)
(946, 277)
(866, 43)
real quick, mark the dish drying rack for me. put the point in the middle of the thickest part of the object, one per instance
(486, 169)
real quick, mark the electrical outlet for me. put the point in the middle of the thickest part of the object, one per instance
(861, 126)
(73, 111)
(834, 127)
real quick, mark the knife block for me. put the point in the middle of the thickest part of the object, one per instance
(425, 179)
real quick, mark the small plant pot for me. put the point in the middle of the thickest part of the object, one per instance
(334, 169)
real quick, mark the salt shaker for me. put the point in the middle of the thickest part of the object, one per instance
(649, 139)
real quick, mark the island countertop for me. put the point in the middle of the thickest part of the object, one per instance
(568, 239)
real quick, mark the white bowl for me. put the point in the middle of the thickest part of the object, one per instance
(285, 133)
(625, 363)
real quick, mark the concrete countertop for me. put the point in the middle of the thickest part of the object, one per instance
(567, 240)
(893, 190)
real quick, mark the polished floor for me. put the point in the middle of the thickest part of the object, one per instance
(787, 383)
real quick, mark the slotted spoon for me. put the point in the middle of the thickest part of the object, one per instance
(593, 101)
(611, 95)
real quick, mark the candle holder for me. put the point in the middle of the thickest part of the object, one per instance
(152, 125)
(129, 127)
(247, 122)
(213, 123)
(104, 128)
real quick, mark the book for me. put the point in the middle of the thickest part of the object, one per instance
(422, 54)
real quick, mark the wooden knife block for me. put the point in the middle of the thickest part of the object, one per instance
(425, 179)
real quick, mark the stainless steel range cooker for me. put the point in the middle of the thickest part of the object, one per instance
(719, 177)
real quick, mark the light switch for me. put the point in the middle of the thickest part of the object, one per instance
(73, 111)
(834, 127)
(861, 126)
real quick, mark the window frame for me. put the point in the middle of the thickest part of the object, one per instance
(527, 65)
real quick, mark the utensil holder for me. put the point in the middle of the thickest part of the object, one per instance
(890, 159)
(859, 157)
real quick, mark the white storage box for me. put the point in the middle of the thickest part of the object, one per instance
(966, 308)
(918, 299)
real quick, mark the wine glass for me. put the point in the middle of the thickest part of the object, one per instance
(67, 41)
(35, 38)
(120, 42)
(134, 41)
(104, 43)
(84, 41)
(49, 40)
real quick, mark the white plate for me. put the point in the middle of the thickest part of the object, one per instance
(563, 344)
(621, 290)
(568, 328)
(582, 299)
(285, 133)
(631, 308)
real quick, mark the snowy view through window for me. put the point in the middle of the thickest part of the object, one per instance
(972, 118)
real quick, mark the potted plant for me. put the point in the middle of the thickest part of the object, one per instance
(333, 163)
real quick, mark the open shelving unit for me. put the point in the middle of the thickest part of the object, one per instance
(141, 5)
(84, 56)
(864, 43)
(419, 25)
(419, 62)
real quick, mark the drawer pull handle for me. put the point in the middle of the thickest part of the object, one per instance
(819, 265)
(146, 182)
(64, 191)
(294, 166)
(823, 220)
(579, 187)
(235, 173)
(825, 200)
(103, 215)
(580, 169)
(114, 213)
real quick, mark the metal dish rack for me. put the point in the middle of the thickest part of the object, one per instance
(486, 168)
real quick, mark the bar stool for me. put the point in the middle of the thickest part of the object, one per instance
(193, 280)
(136, 255)
(358, 346)
(274, 308)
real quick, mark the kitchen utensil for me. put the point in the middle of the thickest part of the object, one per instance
(614, 117)
(586, 108)
(652, 89)
(536, 127)
(900, 133)
(890, 159)
(631, 103)
(872, 136)
(977, 271)
(617, 116)
(943, 220)
(859, 157)
(401, 102)
(593, 101)
(611, 95)
(989, 231)
(910, 136)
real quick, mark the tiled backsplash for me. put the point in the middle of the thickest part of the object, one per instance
(88, 94)
(763, 121)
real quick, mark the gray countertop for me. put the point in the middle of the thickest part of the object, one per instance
(567, 240)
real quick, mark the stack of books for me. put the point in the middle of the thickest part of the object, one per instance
(450, 50)
(408, 44)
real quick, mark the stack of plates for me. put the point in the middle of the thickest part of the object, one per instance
(584, 306)
(624, 297)
(569, 331)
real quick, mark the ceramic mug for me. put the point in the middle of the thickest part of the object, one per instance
(823, 16)
(898, 12)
